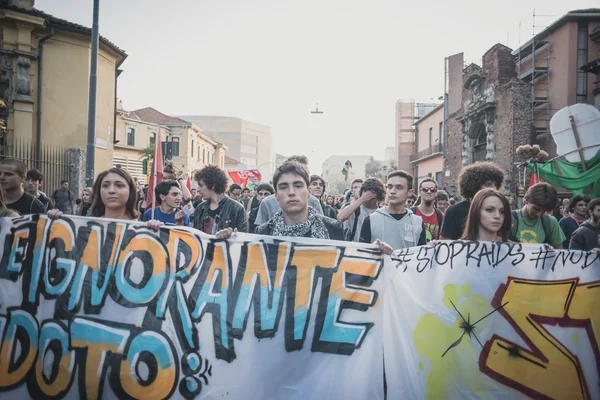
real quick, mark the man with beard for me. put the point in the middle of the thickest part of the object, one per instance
(294, 218)
(394, 226)
(168, 194)
(577, 214)
(431, 216)
(317, 188)
(587, 236)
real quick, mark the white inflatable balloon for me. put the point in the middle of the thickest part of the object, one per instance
(587, 121)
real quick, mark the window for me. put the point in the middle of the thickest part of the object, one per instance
(430, 136)
(198, 155)
(130, 136)
(175, 146)
(441, 133)
(203, 156)
(479, 146)
(152, 139)
(192, 148)
(582, 56)
(439, 178)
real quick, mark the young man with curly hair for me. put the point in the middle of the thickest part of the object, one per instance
(217, 211)
(471, 180)
(578, 212)
(372, 192)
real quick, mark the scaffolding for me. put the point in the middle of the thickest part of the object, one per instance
(533, 66)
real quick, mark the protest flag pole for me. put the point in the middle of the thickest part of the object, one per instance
(155, 169)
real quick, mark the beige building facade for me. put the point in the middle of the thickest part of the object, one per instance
(191, 150)
(247, 142)
(427, 159)
(44, 77)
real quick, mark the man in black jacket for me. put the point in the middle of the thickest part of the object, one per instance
(295, 218)
(262, 191)
(217, 211)
(587, 236)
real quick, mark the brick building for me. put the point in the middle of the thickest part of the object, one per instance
(488, 116)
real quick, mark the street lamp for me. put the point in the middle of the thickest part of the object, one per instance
(90, 157)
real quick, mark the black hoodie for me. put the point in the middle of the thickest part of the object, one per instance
(586, 237)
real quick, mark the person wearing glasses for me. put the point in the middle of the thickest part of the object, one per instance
(431, 216)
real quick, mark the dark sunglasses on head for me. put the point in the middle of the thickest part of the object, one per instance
(429, 190)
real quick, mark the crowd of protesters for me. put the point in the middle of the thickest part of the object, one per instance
(392, 215)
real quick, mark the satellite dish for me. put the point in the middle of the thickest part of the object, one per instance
(576, 132)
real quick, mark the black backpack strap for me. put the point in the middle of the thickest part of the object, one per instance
(356, 215)
(546, 225)
(514, 227)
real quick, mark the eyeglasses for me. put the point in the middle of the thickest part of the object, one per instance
(429, 190)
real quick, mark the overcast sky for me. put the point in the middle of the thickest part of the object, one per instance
(271, 61)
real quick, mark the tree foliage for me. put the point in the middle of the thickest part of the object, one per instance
(147, 152)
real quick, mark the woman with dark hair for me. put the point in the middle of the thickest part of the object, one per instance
(5, 212)
(489, 217)
(114, 196)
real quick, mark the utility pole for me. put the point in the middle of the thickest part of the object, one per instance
(90, 155)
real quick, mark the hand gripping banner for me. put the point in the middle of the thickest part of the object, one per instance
(96, 308)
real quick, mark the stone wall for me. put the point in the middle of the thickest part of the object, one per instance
(513, 129)
(506, 100)
(76, 160)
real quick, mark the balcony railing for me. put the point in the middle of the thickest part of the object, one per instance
(430, 151)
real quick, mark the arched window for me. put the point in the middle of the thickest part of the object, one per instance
(478, 136)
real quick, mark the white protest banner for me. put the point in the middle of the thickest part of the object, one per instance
(466, 320)
(97, 308)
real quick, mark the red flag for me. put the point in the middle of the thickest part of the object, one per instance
(533, 179)
(242, 177)
(157, 172)
(188, 184)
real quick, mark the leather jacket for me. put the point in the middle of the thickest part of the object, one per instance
(334, 228)
(231, 215)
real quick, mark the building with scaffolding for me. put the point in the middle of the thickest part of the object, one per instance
(551, 62)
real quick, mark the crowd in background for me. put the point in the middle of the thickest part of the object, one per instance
(392, 214)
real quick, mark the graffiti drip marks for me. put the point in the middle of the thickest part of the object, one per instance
(89, 299)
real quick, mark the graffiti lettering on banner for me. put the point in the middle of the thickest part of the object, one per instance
(90, 305)
(493, 320)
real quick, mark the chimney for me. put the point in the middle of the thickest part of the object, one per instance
(24, 4)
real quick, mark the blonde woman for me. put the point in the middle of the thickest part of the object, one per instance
(86, 202)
